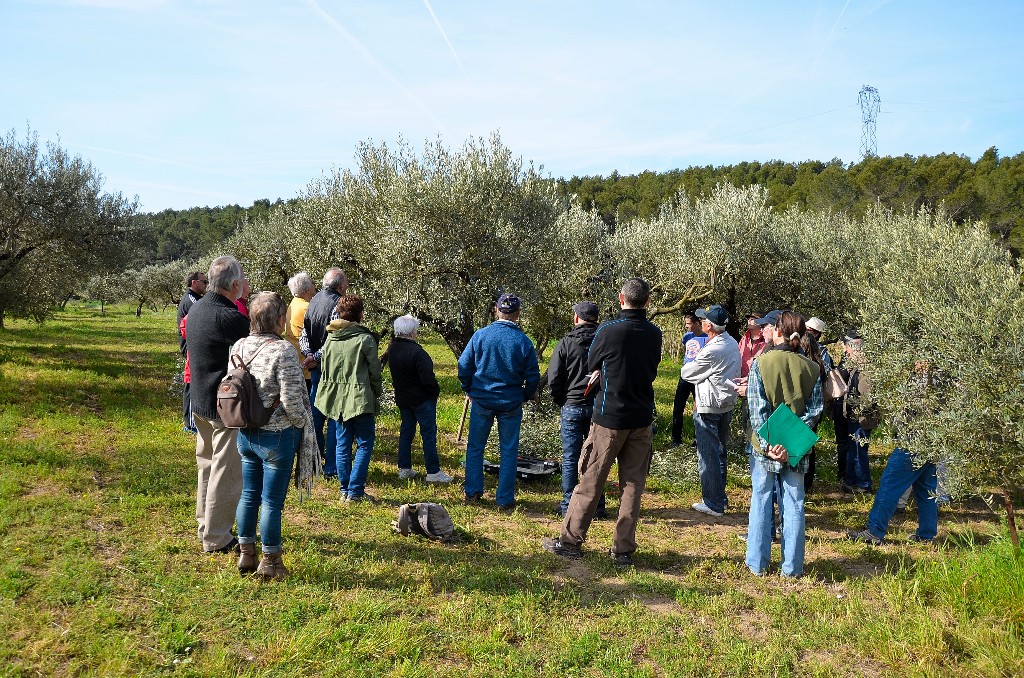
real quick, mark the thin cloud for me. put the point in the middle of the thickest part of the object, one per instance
(444, 35)
(828, 40)
(362, 49)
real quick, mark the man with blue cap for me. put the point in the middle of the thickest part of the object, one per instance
(714, 373)
(498, 370)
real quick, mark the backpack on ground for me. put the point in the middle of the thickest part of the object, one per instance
(426, 519)
(238, 401)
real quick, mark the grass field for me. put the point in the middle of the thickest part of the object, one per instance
(101, 572)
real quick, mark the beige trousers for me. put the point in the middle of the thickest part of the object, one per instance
(220, 482)
(603, 447)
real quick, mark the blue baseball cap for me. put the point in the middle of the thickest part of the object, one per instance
(771, 318)
(716, 315)
(509, 303)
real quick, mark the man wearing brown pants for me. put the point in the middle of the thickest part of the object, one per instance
(625, 356)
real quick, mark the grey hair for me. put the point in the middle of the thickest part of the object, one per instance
(333, 278)
(406, 326)
(717, 329)
(299, 283)
(224, 272)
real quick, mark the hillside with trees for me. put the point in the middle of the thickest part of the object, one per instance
(190, 233)
(990, 189)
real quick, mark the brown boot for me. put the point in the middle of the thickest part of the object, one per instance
(247, 559)
(271, 567)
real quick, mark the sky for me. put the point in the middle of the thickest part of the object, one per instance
(187, 103)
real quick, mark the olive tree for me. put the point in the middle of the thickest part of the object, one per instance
(57, 226)
(940, 311)
(438, 234)
(264, 248)
(696, 250)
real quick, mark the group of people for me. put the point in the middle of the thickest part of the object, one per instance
(778, 361)
(319, 368)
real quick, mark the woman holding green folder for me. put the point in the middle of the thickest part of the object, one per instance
(781, 376)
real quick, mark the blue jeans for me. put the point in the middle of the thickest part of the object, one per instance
(763, 484)
(481, 419)
(267, 460)
(352, 471)
(899, 474)
(776, 489)
(853, 449)
(575, 425)
(326, 445)
(712, 437)
(424, 414)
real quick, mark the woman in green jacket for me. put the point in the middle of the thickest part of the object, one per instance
(348, 393)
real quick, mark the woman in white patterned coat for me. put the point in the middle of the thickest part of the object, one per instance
(268, 453)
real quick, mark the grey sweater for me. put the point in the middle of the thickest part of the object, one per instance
(717, 361)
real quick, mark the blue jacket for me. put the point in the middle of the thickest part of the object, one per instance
(498, 370)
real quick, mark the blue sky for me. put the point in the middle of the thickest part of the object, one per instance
(209, 102)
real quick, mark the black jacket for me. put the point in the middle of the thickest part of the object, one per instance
(318, 316)
(412, 373)
(214, 324)
(187, 299)
(627, 351)
(567, 372)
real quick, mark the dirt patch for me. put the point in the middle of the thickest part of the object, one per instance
(42, 488)
(574, 571)
(26, 433)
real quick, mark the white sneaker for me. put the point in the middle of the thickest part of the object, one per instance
(439, 477)
(703, 508)
(407, 473)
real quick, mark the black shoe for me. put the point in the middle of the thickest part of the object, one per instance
(622, 559)
(559, 549)
(474, 498)
(230, 547)
(507, 508)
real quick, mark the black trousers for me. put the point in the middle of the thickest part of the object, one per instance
(186, 404)
(684, 390)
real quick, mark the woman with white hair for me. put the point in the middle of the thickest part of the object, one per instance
(302, 289)
(416, 393)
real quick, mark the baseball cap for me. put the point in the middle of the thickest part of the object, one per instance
(713, 314)
(771, 318)
(816, 324)
(509, 303)
(586, 310)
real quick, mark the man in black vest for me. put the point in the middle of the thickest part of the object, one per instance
(196, 283)
(625, 355)
(214, 324)
(321, 311)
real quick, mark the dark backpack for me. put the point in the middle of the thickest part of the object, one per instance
(238, 402)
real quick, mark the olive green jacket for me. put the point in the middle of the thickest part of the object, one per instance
(349, 372)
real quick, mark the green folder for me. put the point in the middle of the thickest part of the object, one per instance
(786, 429)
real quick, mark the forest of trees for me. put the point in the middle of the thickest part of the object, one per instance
(990, 189)
(189, 234)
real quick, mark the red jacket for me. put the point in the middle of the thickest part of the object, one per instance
(181, 330)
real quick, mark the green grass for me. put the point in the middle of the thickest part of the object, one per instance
(102, 573)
